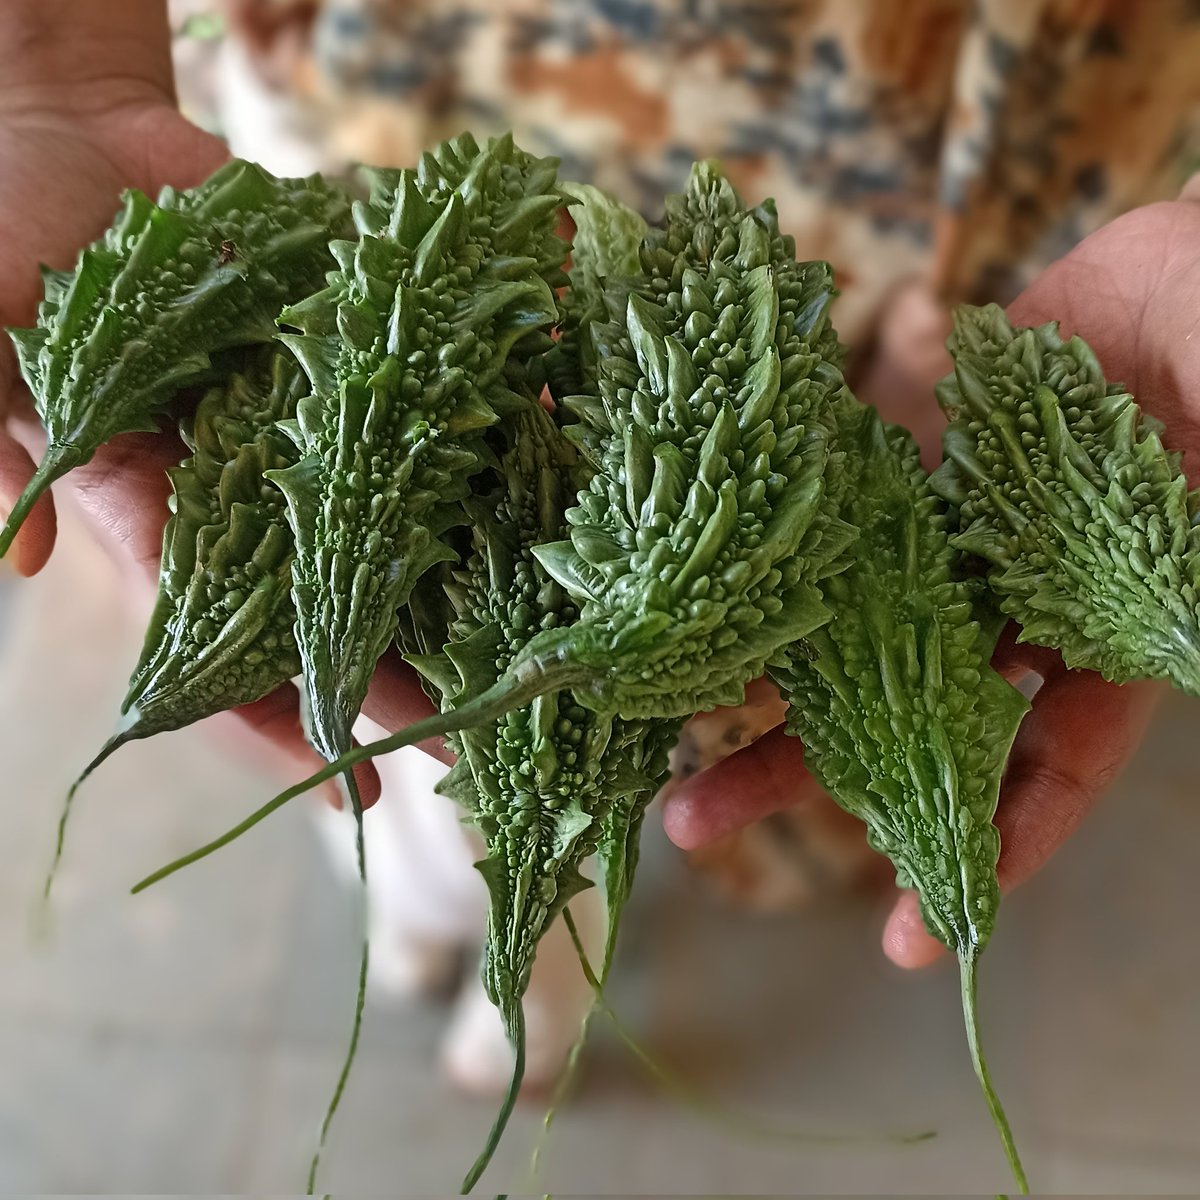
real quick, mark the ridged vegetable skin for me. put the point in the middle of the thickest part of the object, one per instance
(167, 287)
(904, 722)
(1062, 486)
(708, 438)
(539, 782)
(221, 633)
(407, 352)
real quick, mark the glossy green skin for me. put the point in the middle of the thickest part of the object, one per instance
(167, 287)
(540, 782)
(693, 553)
(412, 353)
(222, 631)
(1061, 485)
(904, 722)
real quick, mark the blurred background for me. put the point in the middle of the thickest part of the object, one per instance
(186, 1040)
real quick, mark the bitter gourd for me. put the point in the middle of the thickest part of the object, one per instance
(695, 549)
(1061, 484)
(168, 286)
(904, 722)
(406, 351)
(605, 255)
(221, 633)
(538, 782)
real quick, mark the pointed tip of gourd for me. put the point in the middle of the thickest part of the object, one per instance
(512, 1013)
(129, 731)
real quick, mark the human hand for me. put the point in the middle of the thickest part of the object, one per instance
(1132, 291)
(86, 110)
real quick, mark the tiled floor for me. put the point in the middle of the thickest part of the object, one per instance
(185, 1040)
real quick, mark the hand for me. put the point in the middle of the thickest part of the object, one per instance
(1132, 291)
(87, 110)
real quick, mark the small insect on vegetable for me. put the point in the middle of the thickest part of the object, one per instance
(1061, 484)
(221, 634)
(152, 301)
(904, 722)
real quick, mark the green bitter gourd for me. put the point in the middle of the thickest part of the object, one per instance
(904, 722)
(1061, 484)
(407, 352)
(605, 254)
(695, 550)
(221, 633)
(168, 286)
(538, 782)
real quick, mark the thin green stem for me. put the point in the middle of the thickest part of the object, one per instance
(966, 964)
(514, 1022)
(111, 746)
(565, 1080)
(361, 995)
(501, 698)
(689, 1097)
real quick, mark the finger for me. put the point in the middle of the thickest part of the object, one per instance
(766, 777)
(1074, 743)
(1078, 736)
(33, 544)
(276, 718)
(906, 941)
(1013, 658)
(395, 700)
(35, 541)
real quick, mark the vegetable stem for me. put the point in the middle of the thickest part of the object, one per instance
(708, 1109)
(514, 1022)
(967, 964)
(508, 693)
(113, 744)
(360, 997)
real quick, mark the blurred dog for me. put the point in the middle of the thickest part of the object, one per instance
(427, 903)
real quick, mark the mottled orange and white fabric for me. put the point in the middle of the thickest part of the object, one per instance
(975, 141)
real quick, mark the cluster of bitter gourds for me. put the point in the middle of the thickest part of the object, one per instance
(701, 502)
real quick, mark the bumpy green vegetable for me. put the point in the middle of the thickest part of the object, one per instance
(693, 553)
(540, 781)
(904, 722)
(1061, 484)
(407, 352)
(708, 440)
(696, 549)
(221, 634)
(605, 254)
(168, 286)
